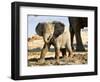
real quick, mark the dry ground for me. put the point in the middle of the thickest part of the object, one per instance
(34, 49)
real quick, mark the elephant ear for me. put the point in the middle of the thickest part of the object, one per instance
(39, 29)
(59, 28)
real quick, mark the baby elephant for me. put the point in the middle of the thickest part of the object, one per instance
(54, 33)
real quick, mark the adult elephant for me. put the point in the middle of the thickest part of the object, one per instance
(56, 34)
(76, 24)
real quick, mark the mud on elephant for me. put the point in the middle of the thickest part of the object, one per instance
(54, 33)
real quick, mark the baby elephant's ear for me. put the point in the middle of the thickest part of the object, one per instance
(59, 28)
(39, 29)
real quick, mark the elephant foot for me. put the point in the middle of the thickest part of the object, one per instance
(71, 55)
(65, 58)
(41, 61)
(80, 48)
(57, 62)
(72, 48)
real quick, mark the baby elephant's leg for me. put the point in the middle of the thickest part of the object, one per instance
(43, 52)
(63, 51)
(57, 53)
(57, 50)
(70, 52)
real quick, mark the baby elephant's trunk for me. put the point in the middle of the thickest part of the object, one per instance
(47, 38)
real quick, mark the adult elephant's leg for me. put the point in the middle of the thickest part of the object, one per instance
(79, 44)
(72, 37)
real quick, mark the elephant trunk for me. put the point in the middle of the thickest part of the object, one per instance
(47, 38)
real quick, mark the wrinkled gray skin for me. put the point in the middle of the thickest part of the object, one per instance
(56, 34)
(76, 24)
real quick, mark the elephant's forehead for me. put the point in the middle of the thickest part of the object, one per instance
(49, 27)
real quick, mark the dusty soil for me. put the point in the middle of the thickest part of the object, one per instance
(78, 58)
(35, 44)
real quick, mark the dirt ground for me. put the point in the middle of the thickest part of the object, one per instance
(79, 58)
(35, 45)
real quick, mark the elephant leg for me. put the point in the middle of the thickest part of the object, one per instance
(70, 52)
(57, 51)
(79, 44)
(72, 38)
(43, 52)
(64, 54)
(63, 51)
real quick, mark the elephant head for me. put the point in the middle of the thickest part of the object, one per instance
(49, 30)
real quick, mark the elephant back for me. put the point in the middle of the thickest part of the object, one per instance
(84, 22)
(80, 21)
